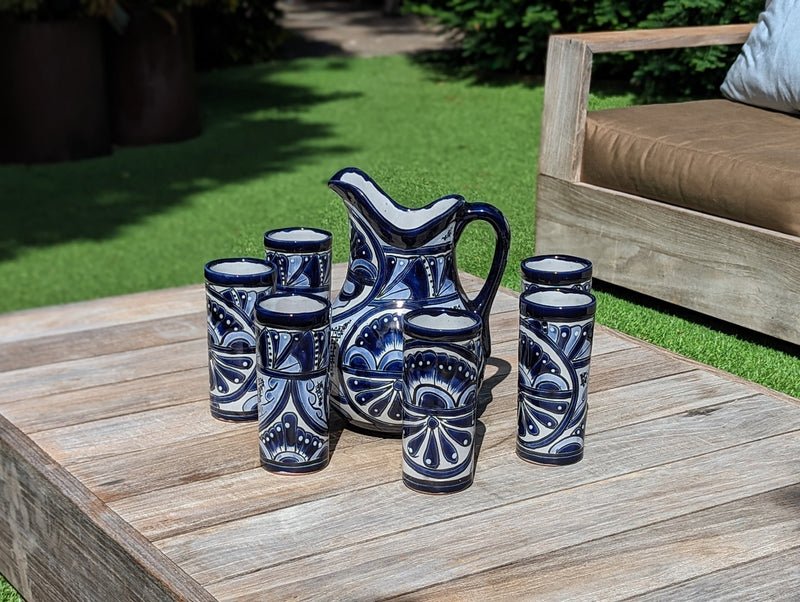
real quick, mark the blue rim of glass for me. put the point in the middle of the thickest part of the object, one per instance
(579, 274)
(423, 332)
(297, 244)
(562, 303)
(293, 318)
(263, 277)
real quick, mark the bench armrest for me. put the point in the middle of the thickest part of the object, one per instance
(568, 75)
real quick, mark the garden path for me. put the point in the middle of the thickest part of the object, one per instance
(353, 28)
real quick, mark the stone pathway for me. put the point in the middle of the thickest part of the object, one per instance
(353, 28)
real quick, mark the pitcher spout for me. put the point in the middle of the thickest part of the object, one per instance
(394, 224)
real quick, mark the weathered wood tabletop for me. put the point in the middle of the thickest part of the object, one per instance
(118, 484)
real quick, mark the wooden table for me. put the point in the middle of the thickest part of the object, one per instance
(117, 483)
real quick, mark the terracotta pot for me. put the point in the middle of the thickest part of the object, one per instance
(152, 91)
(53, 97)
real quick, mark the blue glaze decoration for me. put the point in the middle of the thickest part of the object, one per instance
(438, 448)
(557, 270)
(443, 357)
(557, 303)
(298, 240)
(259, 273)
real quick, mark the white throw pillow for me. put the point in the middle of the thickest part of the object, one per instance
(767, 71)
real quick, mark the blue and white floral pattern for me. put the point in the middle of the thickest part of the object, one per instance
(440, 378)
(308, 271)
(232, 351)
(553, 388)
(372, 369)
(438, 448)
(287, 444)
(584, 287)
(293, 396)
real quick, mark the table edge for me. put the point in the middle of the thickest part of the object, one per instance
(47, 510)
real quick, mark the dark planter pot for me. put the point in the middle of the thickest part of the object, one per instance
(53, 93)
(152, 94)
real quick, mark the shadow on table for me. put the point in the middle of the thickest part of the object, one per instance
(502, 370)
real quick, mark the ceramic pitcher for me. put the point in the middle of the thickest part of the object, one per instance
(400, 259)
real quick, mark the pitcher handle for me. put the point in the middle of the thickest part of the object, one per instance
(482, 302)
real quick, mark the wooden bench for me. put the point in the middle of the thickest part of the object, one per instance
(742, 273)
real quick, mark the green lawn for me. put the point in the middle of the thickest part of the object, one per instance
(151, 217)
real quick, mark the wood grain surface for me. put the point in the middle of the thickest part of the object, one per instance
(632, 40)
(689, 486)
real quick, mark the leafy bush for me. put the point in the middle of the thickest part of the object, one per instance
(51, 10)
(235, 32)
(511, 36)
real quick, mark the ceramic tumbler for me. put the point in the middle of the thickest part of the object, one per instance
(293, 382)
(442, 364)
(302, 257)
(555, 344)
(556, 271)
(233, 289)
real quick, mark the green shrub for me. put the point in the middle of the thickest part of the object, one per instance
(52, 10)
(235, 32)
(511, 36)
(689, 72)
(55, 10)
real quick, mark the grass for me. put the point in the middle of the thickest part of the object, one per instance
(148, 218)
(8, 593)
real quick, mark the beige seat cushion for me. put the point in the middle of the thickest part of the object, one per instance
(716, 156)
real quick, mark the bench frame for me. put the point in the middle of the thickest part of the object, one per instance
(743, 274)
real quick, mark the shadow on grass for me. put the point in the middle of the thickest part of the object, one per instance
(713, 324)
(245, 136)
(448, 65)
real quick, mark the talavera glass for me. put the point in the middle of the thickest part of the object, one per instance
(556, 271)
(442, 370)
(233, 288)
(302, 257)
(556, 327)
(293, 389)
